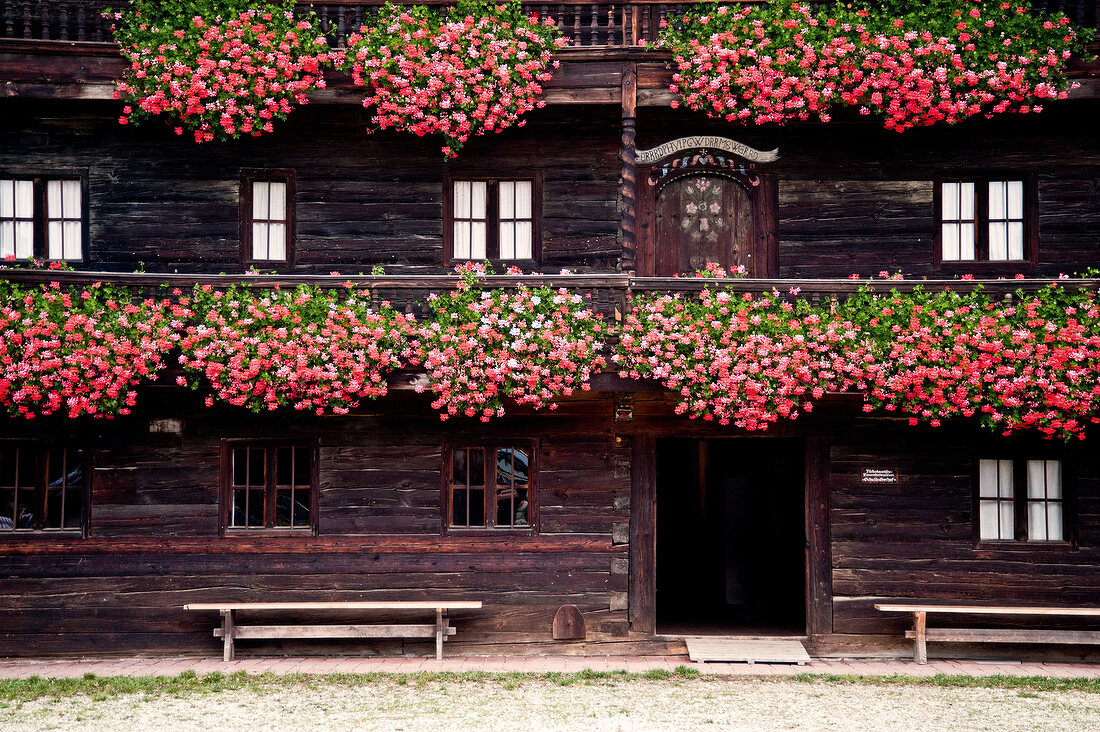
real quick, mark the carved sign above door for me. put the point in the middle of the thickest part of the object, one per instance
(705, 142)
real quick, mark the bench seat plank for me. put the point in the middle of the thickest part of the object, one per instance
(995, 635)
(987, 609)
(417, 605)
(335, 631)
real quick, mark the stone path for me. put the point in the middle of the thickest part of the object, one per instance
(70, 668)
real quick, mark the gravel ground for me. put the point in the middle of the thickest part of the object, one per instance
(454, 706)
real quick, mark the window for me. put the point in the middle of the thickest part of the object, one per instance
(1021, 500)
(269, 486)
(490, 486)
(493, 219)
(267, 216)
(42, 488)
(984, 220)
(42, 217)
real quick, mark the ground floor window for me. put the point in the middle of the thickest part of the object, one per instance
(1021, 500)
(269, 486)
(490, 486)
(42, 488)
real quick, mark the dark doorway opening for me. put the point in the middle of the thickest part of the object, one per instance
(731, 536)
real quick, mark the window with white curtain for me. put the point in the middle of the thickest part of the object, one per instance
(492, 219)
(267, 216)
(982, 219)
(1021, 500)
(42, 217)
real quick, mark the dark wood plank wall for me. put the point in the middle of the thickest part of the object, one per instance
(915, 540)
(163, 203)
(154, 544)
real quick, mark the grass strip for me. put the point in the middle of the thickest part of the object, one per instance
(997, 681)
(100, 688)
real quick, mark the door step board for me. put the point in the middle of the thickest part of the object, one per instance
(738, 649)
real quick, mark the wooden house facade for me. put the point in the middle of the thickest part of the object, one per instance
(650, 524)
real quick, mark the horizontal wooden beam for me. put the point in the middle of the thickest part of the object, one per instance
(991, 635)
(986, 609)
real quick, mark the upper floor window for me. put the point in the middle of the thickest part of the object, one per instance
(42, 217)
(267, 216)
(42, 488)
(1021, 500)
(492, 218)
(984, 220)
(490, 486)
(269, 486)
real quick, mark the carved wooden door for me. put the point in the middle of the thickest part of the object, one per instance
(700, 219)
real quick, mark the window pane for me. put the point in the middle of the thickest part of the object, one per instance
(302, 476)
(512, 466)
(507, 240)
(477, 240)
(477, 466)
(950, 196)
(1005, 478)
(260, 199)
(257, 466)
(998, 207)
(1036, 521)
(256, 507)
(1055, 522)
(524, 248)
(459, 504)
(236, 513)
(240, 466)
(462, 240)
(1008, 520)
(277, 197)
(1036, 479)
(1016, 240)
(7, 199)
(966, 242)
(1015, 199)
(988, 522)
(479, 191)
(259, 241)
(53, 200)
(987, 478)
(70, 198)
(282, 466)
(950, 238)
(998, 241)
(523, 199)
(507, 194)
(966, 201)
(24, 239)
(1054, 479)
(477, 507)
(72, 238)
(460, 474)
(276, 242)
(284, 506)
(24, 199)
(462, 199)
(7, 238)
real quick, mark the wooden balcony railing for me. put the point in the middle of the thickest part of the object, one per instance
(587, 24)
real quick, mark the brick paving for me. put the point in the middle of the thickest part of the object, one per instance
(74, 668)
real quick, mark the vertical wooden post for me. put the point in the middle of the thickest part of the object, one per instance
(227, 635)
(819, 555)
(628, 188)
(643, 535)
(920, 638)
(439, 628)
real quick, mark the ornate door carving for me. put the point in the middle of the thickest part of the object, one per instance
(701, 219)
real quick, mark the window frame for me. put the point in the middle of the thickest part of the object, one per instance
(1021, 500)
(265, 175)
(225, 492)
(982, 264)
(492, 203)
(40, 219)
(490, 446)
(41, 450)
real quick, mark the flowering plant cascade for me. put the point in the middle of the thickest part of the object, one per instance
(306, 348)
(532, 345)
(913, 64)
(472, 70)
(218, 69)
(749, 360)
(79, 351)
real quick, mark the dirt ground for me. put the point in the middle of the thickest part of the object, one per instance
(537, 704)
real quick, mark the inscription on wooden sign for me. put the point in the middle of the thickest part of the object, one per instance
(709, 142)
(879, 476)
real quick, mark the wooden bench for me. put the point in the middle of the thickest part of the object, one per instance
(921, 634)
(230, 631)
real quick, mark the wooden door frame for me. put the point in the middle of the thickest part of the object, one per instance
(763, 193)
(643, 536)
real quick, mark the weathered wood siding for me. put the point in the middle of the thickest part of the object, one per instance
(161, 203)
(153, 543)
(915, 540)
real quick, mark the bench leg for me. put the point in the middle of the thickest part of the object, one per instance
(439, 629)
(920, 639)
(227, 635)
